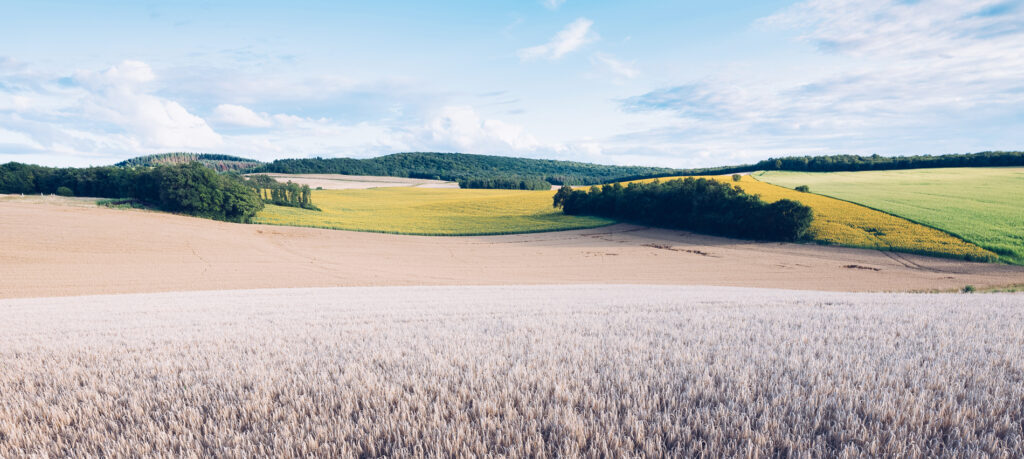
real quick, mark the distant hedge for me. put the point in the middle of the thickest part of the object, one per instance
(506, 183)
(700, 205)
(187, 188)
(846, 163)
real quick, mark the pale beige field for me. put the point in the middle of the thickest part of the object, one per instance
(518, 371)
(58, 247)
(358, 182)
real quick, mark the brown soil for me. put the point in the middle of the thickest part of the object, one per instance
(55, 247)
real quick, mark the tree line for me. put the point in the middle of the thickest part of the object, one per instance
(837, 163)
(282, 194)
(506, 183)
(692, 204)
(189, 188)
(485, 170)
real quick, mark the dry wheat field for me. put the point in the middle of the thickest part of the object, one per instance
(513, 370)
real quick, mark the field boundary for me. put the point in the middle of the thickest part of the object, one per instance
(401, 233)
(998, 259)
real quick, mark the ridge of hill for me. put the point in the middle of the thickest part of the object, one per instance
(462, 167)
(490, 171)
(220, 163)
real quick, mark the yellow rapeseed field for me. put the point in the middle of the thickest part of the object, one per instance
(843, 223)
(431, 211)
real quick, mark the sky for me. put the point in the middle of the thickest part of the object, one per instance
(675, 83)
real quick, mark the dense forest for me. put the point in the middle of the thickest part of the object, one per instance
(186, 188)
(693, 204)
(483, 171)
(486, 171)
(219, 163)
(506, 183)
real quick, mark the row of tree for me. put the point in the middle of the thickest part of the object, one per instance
(506, 183)
(185, 188)
(282, 194)
(693, 204)
(836, 163)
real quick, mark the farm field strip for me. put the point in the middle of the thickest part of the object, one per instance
(837, 222)
(431, 211)
(518, 370)
(979, 204)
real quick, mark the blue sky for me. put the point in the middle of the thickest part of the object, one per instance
(681, 84)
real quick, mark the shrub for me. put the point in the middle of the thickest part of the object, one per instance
(736, 177)
(968, 289)
(65, 191)
(803, 189)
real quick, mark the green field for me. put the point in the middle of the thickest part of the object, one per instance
(431, 211)
(981, 205)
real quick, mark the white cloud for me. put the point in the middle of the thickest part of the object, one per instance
(623, 69)
(118, 96)
(11, 140)
(106, 112)
(569, 39)
(238, 115)
(461, 128)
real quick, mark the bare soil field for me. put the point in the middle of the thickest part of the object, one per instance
(520, 371)
(353, 182)
(58, 247)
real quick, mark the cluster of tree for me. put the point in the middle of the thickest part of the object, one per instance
(282, 194)
(506, 183)
(693, 204)
(219, 163)
(186, 188)
(459, 166)
(837, 163)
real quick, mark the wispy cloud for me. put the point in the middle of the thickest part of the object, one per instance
(939, 76)
(553, 4)
(623, 69)
(569, 39)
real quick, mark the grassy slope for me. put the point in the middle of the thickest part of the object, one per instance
(982, 205)
(431, 211)
(842, 223)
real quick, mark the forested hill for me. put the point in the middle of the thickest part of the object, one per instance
(220, 163)
(462, 167)
(485, 171)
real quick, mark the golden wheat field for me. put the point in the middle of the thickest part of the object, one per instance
(843, 223)
(588, 370)
(431, 211)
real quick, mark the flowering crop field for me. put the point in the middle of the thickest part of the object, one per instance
(838, 222)
(593, 370)
(431, 211)
(980, 204)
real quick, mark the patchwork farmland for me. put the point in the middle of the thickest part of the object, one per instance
(981, 205)
(212, 338)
